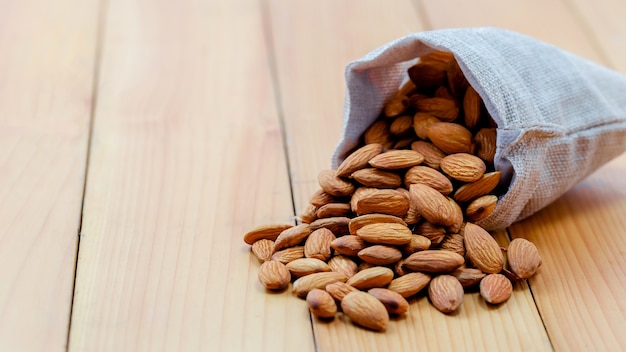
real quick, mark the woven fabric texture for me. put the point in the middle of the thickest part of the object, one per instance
(559, 116)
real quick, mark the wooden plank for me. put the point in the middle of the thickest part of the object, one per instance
(551, 21)
(604, 20)
(312, 46)
(47, 66)
(187, 156)
(579, 285)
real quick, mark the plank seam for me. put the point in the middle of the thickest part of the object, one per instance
(100, 24)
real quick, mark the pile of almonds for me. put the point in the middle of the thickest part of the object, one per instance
(398, 215)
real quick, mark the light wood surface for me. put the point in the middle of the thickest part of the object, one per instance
(47, 58)
(211, 117)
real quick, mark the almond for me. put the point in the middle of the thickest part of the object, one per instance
(456, 79)
(395, 106)
(318, 244)
(367, 219)
(495, 288)
(358, 159)
(481, 207)
(385, 233)
(432, 155)
(429, 177)
(320, 198)
(417, 243)
(274, 275)
(303, 285)
(450, 137)
(434, 261)
(378, 133)
(432, 205)
(306, 266)
(344, 265)
(397, 159)
(333, 210)
(413, 215)
(338, 225)
(268, 232)
(321, 303)
(422, 122)
(405, 142)
(393, 301)
(482, 249)
(377, 276)
(428, 74)
(482, 187)
(444, 109)
(445, 293)
(434, 233)
(399, 268)
(292, 236)
(365, 310)
(523, 258)
(408, 88)
(338, 290)
(289, 254)
(457, 217)
(334, 185)
(372, 177)
(443, 92)
(380, 255)
(468, 277)
(349, 245)
(409, 284)
(263, 249)
(454, 243)
(308, 214)
(463, 167)
(485, 140)
(401, 125)
(360, 193)
(471, 106)
(384, 201)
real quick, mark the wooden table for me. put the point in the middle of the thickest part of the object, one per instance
(139, 140)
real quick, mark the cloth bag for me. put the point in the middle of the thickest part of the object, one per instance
(559, 116)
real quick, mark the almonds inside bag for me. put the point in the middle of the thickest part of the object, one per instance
(398, 214)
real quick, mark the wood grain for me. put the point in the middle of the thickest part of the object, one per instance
(186, 157)
(46, 68)
(313, 128)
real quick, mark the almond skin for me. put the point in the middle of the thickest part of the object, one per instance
(393, 301)
(432, 205)
(371, 177)
(289, 254)
(334, 185)
(344, 265)
(385, 233)
(495, 288)
(377, 276)
(386, 201)
(333, 210)
(523, 258)
(434, 233)
(468, 277)
(380, 255)
(321, 304)
(482, 187)
(338, 290)
(401, 125)
(367, 219)
(454, 243)
(337, 225)
(482, 249)
(463, 167)
(409, 284)
(378, 133)
(320, 198)
(417, 243)
(434, 261)
(481, 207)
(317, 245)
(365, 310)
(471, 107)
(309, 214)
(268, 232)
(422, 123)
(274, 275)
(292, 236)
(450, 137)
(358, 159)
(432, 155)
(428, 176)
(444, 109)
(395, 106)
(445, 293)
(485, 140)
(306, 266)
(303, 285)
(397, 159)
(348, 245)
(263, 249)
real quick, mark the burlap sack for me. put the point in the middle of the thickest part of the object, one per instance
(559, 116)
